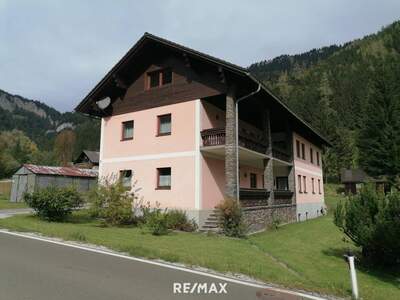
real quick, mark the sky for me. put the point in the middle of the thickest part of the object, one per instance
(56, 51)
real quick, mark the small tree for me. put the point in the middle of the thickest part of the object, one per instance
(230, 219)
(372, 221)
(54, 203)
(112, 202)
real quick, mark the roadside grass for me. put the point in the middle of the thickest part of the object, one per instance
(6, 204)
(306, 255)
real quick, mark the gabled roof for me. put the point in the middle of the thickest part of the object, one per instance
(61, 171)
(226, 66)
(353, 176)
(93, 156)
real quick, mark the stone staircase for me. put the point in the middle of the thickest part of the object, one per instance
(211, 223)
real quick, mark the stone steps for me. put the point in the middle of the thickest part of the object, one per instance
(211, 223)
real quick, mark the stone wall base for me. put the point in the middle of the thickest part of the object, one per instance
(260, 217)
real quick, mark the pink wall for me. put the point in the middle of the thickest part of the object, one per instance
(145, 140)
(213, 180)
(182, 190)
(310, 170)
(147, 152)
(213, 117)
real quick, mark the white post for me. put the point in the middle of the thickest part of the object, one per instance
(353, 276)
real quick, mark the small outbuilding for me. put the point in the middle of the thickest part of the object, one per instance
(353, 179)
(88, 160)
(29, 178)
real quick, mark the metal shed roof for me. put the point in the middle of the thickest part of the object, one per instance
(61, 171)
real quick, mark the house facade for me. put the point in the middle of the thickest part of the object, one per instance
(168, 126)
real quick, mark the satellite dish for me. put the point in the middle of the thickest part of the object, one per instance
(104, 103)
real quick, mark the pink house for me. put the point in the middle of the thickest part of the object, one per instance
(168, 123)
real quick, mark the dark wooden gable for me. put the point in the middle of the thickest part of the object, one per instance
(190, 80)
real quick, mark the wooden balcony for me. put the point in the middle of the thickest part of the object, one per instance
(282, 155)
(216, 137)
(253, 197)
(282, 197)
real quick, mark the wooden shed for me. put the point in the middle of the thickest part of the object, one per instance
(32, 177)
(88, 160)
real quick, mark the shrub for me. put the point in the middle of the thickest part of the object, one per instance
(157, 222)
(54, 203)
(372, 221)
(112, 202)
(178, 220)
(230, 219)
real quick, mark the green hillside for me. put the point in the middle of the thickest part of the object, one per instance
(333, 88)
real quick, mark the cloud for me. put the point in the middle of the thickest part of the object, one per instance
(56, 51)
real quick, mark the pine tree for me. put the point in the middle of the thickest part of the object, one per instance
(379, 139)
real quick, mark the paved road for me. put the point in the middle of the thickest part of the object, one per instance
(37, 270)
(5, 213)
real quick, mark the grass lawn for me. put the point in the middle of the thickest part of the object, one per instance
(6, 204)
(305, 255)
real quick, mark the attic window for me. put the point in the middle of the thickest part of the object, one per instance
(159, 78)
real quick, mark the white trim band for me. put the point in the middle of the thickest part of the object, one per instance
(308, 171)
(149, 157)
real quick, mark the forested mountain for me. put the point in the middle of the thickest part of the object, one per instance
(336, 88)
(31, 131)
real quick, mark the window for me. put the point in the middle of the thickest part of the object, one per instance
(317, 158)
(253, 180)
(319, 186)
(159, 78)
(126, 178)
(312, 183)
(127, 130)
(311, 155)
(304, 184)
(164, 124)
(166, 76)
(164, 178)
(303, 151)
(298, 148)
(299, 183)
(282, 183)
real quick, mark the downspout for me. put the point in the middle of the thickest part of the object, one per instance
(237, 137)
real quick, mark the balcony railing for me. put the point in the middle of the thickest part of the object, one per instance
(253, 197)
(216, 137)
(282, 197)
(279, 154)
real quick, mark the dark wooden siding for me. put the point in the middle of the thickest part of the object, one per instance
(188, 83)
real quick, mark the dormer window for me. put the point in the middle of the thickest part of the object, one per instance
(159, 78)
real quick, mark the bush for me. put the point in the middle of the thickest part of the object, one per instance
(157, 222)
(372, 221)
(231, 218)
(54, 203)
(178, 220)
(112, 202)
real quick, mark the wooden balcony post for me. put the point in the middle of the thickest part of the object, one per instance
(289, 140)
(268, 163)
(231, 184)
